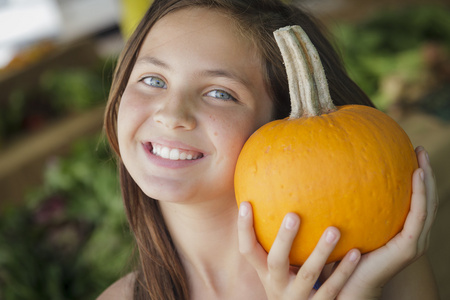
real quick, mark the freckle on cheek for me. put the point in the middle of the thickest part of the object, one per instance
(215, 134)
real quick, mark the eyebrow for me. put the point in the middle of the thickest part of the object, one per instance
(225, 74)
(153, 61)
(205, 73)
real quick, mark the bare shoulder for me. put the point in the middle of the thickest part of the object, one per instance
(122, 289)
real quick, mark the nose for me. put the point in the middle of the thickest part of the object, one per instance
(176, 112)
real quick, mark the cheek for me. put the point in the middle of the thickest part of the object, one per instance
(123, 124)
(233, 133)
(130, 115)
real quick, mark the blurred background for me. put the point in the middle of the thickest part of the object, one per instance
(63, 233)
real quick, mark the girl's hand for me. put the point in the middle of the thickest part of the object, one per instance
(378, 267)
(283, 282)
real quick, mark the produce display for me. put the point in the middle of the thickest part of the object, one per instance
(70, 239)
(400, 58)
(349, 166)
(28, 56)
(58, 94)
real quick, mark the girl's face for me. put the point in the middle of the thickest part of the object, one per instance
(195, 95)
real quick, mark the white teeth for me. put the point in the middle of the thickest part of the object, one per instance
(165, 152)
(174, 154)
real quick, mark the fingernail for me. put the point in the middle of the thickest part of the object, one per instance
(353, 256)
(422, 149)
(426, 156)
(243, 210)
(290, 222)
(330, 237)
(422, 176)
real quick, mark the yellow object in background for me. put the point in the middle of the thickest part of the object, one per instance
(132, 13)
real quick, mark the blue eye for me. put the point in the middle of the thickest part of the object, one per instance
(221, 95)
(154, 82)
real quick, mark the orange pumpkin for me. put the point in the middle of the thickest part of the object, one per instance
(349, 167)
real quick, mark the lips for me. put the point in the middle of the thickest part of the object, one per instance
(171, 153)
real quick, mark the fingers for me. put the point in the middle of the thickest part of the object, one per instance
(278, 258)
(430, 181)
(311, 269)
(278, 277)
(430, 194)
(412, 240)
(248, 244)
(331, 288)
(424, 203)
(275, 265)
(309, 273)
(418, 212)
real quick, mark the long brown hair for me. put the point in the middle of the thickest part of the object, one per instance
(161, 274)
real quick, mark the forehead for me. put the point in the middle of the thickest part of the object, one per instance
(197, 18)
(204, 26)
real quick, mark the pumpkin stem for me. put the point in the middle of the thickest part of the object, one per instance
(308, 86)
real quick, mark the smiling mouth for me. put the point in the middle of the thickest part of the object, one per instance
(173, 153)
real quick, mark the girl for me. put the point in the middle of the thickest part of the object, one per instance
(195, 80)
